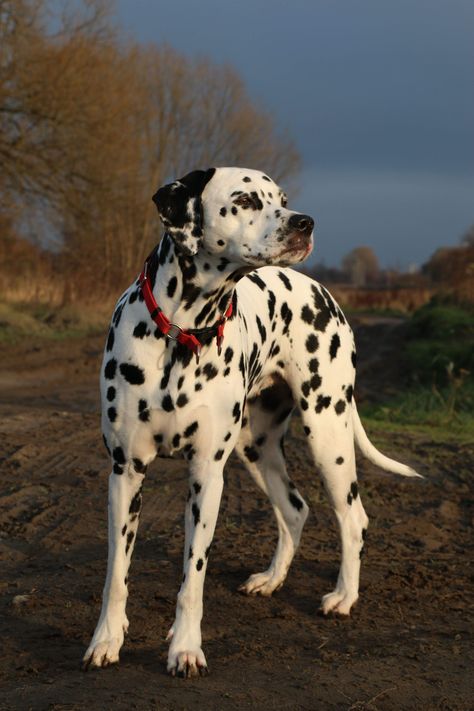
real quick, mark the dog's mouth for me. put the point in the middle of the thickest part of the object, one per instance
(298, 247)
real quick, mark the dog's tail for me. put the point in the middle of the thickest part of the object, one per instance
(373, 454)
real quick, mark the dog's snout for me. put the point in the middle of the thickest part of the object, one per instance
(302, 223)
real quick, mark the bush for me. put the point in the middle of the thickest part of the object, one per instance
(439, 344)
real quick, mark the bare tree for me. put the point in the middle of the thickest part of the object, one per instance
(362, 266)
(91, 126)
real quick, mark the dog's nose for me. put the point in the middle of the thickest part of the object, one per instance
(302, 223)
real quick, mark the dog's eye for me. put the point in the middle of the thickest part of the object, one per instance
(245, 201)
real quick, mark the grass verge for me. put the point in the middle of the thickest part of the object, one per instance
(19, 321)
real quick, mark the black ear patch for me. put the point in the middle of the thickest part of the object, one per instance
(180, 209)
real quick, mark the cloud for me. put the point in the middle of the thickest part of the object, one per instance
(403, 216)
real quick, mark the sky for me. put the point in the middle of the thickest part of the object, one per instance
(378, 96)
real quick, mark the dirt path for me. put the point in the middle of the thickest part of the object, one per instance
(406, 645)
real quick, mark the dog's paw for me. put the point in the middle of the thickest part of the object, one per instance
(262, 584)
(187, 664)
(338, 603)
(102, 654)
(105, 644)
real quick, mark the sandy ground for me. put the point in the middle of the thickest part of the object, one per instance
(406, 645)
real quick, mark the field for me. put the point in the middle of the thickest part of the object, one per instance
(406, 645)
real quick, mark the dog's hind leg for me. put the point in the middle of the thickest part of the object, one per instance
(331, 440)
(124, 508)
(260, 447)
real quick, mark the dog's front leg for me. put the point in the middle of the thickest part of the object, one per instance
(124, 509)
(185, 656)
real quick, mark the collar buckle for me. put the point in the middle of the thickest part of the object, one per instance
(174, 332)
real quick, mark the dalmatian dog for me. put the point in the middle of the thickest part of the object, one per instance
(211, 350)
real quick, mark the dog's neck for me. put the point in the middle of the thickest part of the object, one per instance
(192, 292)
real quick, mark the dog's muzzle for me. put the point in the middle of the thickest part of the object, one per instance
(300, 229)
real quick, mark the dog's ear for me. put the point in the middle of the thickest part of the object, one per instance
(180, 209)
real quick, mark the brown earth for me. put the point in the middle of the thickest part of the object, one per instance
(406, 645)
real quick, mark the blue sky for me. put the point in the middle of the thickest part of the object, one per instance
(377, 94)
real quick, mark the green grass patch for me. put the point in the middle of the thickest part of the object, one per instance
(19, 321)
(449, 411)
(437, 354)
(439, 345)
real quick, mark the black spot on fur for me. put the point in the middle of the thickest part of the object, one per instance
(256, 280)
(313, 365)
(182, 400)
(349, 393)
(261, 440)
(307, 314)
(191, 429)
(340, 460)
(285, 281)
(196, 513)
(339, 407)
(132, 373)
(143, 411)
(218, 455)
(262, 330)
(197, 487)
(312, 343)
(110, 368)
(138, 465)
(141, 330)
(110, 339)
(223, 211)
(228, 355)
(354, 490)
(354, 358)
(199, 564)
(307, 430)
(271, 304)
(167, 403)
(334, 347)
(118, 455)
(210, 371)
(171, 288)
(303, 404)
(112, 414)
(322, 403)
(130, 537)
(251, 454)
(315, 381)
(287, 315)
(236, 412)
(111, 392)
(295, 501)
(136, 503)
(176, 440)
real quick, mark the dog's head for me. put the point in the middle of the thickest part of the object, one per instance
(234, 213)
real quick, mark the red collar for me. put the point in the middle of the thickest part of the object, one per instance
(186, 336)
